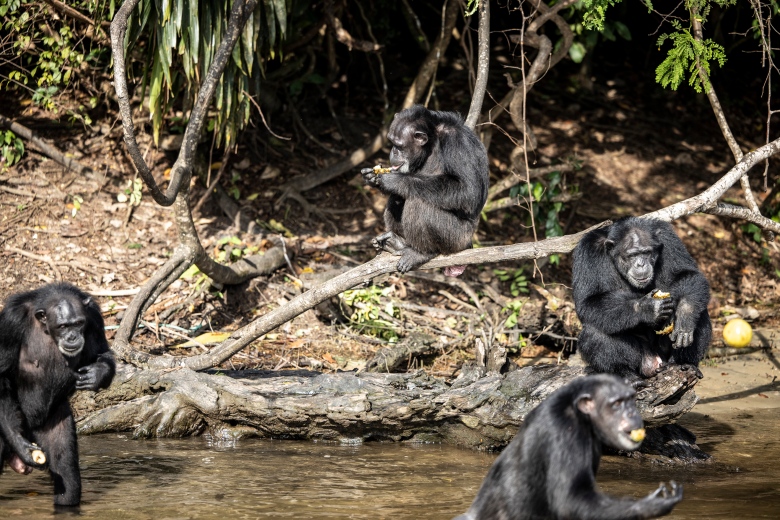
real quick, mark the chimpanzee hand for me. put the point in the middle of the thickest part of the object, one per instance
(660, 502)
(23, 449)
(684, 326)
(372, 178)
(91, 377)
(654, 310)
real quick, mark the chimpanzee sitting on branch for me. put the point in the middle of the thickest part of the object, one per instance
(548, 471)
(438, 184)
(641, 298)
(52, 342)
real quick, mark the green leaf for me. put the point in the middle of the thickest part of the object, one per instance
(577, 52)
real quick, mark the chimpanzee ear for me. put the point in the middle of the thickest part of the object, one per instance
(609, 244)
(585, 404)
(40, 315)
(86, 301)
(421, 138)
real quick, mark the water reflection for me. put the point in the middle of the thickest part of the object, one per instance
(182, 479)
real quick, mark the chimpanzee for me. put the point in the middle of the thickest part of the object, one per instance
(52, 342)
(633, 283)
(438, 184)
(549, 469)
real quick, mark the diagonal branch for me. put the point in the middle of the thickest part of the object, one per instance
(385, 263)
(720, 116)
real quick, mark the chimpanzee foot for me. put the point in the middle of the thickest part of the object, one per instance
(389, 242)
(411, 259)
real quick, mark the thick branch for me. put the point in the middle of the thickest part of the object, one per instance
(483, 65)
(383, 264)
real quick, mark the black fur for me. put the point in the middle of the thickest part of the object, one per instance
(548, 471)
(620, 320)
(52, 342)
(437, 188)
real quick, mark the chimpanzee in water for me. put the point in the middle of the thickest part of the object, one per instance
(52, 342)
(437, 183)
(548, 471)
(633, 282)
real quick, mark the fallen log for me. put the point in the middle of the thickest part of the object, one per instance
(477, 410)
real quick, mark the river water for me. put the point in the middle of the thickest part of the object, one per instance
(190, 478)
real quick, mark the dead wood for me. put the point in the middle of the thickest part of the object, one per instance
(45, 148)
(477, 410)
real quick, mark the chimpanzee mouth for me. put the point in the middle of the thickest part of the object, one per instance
(70, 350)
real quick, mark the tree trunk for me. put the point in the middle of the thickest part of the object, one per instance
(478, 410)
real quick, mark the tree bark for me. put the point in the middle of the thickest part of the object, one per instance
(477, 410)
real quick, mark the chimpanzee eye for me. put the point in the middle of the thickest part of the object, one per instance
(617, 404)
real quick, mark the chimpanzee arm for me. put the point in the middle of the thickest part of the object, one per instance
(11, 421)
(581, 500)
(448, 192)
(99, 367)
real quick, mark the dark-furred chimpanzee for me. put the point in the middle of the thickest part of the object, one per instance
(437, 183)
(633, 283)
(52, 342)
(548, 471)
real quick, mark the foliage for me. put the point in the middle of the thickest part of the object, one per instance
(587, 36)
(367, 308)
(231, 249)
(516, 277)
(471, 7)
(131, 194)
(45, 53)
(183, 38)
(13, 148)
(687, 54)
(547, 199)
(595, 11)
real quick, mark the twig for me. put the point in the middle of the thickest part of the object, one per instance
(47, 259)
(222, 168)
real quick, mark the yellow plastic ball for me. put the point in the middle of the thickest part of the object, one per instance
(737, 333)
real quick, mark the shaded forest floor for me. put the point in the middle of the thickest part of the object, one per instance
(639, 152)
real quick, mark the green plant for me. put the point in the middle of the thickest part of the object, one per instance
(232, 249)
(367, 306)
(13, 148)
(518, 280)
(513, 307)
(687, 54)
(48, 53)
(183, 38)
(547, 196)
(132, 194)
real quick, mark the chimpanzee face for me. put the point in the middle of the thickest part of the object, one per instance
(613, 414)
(409, 139)
(64, 320)
(635, 257)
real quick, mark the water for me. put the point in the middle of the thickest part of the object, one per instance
(188, 478)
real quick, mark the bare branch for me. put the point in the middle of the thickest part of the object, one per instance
(483, 65)
(720, 116)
